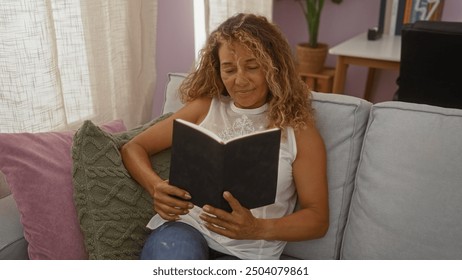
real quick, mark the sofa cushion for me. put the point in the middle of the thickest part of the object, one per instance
(4, 188)
(408, 192)
(13, 246)
(172, 99)
(112, 208)
(341, 120)
(37, 167)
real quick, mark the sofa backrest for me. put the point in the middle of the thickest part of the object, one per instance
(172, 101)
(408, 192)
(341, 120)
(4, 188)
(12, 243)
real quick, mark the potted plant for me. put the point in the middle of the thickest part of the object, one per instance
(312, 54)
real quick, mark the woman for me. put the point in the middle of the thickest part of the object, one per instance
(246, 76)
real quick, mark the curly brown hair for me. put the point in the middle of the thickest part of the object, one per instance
(289, 97)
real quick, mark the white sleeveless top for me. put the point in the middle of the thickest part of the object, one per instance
(228, 121)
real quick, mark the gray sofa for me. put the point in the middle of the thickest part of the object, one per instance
(395, 182)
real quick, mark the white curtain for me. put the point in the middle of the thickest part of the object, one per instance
(217, 11)
(208, 14)
(65, 61)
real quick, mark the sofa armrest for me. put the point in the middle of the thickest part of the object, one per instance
(13, 246)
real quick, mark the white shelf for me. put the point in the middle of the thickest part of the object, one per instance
(388, 48)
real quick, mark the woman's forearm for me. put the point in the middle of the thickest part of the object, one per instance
(138, 164)
(303, 224)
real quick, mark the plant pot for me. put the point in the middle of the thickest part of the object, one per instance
(311, 60)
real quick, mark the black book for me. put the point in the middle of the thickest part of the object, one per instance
(206, 166)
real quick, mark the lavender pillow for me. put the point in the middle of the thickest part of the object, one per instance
(38, 169)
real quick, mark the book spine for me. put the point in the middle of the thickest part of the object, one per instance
(400, 17)
(383, 7)
(393, 17)
(407, 12)
(436, 10)
(386, 27)
(414, 11)
(420, 10)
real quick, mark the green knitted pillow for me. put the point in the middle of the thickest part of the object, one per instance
(113, 209)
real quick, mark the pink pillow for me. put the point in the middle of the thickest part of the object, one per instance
(38, 169)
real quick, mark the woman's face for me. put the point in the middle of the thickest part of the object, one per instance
(242, 76)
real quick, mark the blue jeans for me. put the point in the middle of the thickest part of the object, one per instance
(178, 241)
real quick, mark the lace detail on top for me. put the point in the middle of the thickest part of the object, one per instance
(230, 121)
(241, 126)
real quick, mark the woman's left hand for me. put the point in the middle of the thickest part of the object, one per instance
(239, 224)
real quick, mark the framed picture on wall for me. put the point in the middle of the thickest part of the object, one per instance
(423, 10)
(395, 13)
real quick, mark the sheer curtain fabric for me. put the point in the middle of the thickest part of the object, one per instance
(62, 62)
(218, 11)
(208, 14)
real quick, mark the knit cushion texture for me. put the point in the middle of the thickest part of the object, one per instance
(113, 209)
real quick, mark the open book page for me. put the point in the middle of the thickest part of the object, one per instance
(216, 137)
(201, 129)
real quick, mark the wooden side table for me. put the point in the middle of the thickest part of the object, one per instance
(384, 53)
(321, 82)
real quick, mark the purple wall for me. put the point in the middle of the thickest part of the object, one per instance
(175, 44)
(175, 38)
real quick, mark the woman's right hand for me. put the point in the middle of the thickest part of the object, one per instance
(169, 201)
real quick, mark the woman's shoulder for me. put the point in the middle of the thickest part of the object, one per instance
(195, 110)
(308, 138)
(202, 102)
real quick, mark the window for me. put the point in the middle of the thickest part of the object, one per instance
(208, 14)
(62, 62)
